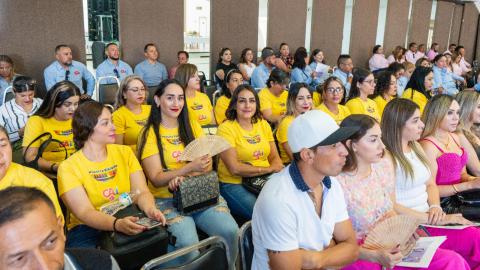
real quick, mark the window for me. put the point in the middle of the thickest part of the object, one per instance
(196, 35)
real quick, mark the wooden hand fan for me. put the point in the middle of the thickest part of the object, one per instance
(209, 144)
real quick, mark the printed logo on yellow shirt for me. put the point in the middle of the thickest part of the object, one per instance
(370, 109)
(141, 122)
(282, 104)
(202, 117)
(104, 174)
(63, 132)
(175, 140)
(257, 154)
(176, 155)
(253, 140)
(197, 106)
(110, 193)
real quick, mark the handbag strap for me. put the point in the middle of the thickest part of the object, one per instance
(44, 146)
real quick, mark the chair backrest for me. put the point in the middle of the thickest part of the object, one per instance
(98, 53)
(210, 91)
(245, 246)
(215, 96)
(8, 95)
(151, 93)
(105, 93)
(212, 256)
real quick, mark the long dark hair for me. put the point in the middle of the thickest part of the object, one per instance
(417, 81)
(293, 94)
(383, 83)
(225, 90)
(365, 122)
(84, 121)
(155, 119)
(299, 58)
(359, 75)
(243, 56)
(220, 54)
(312, 56)
(231, 112)
(55, 97)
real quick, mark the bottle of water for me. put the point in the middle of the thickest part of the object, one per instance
(123, 201)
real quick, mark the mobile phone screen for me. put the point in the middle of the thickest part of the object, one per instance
(148, 222)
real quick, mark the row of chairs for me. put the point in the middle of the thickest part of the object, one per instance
(213, 254)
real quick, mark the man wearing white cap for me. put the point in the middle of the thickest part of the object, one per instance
(300, 220)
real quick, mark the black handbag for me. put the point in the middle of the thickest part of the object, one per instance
(254, 184)
(34, 163)
(470, 197)
(196, 193)
(133, 251)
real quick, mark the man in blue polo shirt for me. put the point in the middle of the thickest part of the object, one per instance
(113, 66)
(262, 72)
(150, 70)
(64, 68)
(300, 219)
(344, 71)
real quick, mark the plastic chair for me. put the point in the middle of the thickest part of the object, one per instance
(213, 256)
(210, 91)
(106, 93)
(8, 95)
(216, 95)
(245, 246)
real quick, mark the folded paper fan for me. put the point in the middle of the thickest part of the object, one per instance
(209, 144)
(392, 232)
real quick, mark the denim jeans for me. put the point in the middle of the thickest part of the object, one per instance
(82, 236)
(215, 220)
(239, 200)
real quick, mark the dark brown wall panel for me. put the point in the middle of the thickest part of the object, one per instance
(286, 23)
(145, 21)
(443, 19)
(421, 11)
(326, 13)
(364, 31)
(30, 30)
(456, 24)
(234, 25)
(468, 30)
(396, 25)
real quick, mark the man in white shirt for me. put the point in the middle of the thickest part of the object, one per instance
(412, 55)
(300, 219)
(464, 65)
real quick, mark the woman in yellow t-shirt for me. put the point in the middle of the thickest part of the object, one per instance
(363, 85)
(273, 98)
(299, 101)
(385, 90)
(55, 117)
(96, 175)
(233, 79)
(419, 87)
(199, 106)
(131, 111)
(162, 141)
(333, 95)
(253, 150)
(13, 174)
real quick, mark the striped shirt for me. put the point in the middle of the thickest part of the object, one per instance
(13, 117)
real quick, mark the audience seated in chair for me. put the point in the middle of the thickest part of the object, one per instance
(224, 65)
(246, 64)
(262, 71)
(273, 98)
(363, 86)
(7, 73)
(333, 93)
(385, 90)
(113, 66)
(233, 79)
(419, 87)
(182, 58)
(151, 70)
(344, 71)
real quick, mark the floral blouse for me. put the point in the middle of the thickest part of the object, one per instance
(369, 199)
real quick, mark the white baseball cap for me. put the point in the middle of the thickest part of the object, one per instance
(316, 128)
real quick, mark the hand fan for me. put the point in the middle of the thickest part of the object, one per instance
(209, 144)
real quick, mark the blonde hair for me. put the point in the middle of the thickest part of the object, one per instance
(120, 99)
(435, 110)
(468, 101)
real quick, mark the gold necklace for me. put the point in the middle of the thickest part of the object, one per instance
(445, 144)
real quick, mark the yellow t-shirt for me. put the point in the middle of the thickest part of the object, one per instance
(252, 146)
(172, 149)
(221, 108)
(130, 124)
(317, 99)
(368, 107)
(281, 133)
(278, 105)
(381, 104)
(200, 108)
(102, 181)
(343, 112)
(20, 176)
(418, 98)
(60, 130)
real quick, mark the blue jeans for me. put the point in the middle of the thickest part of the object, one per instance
(240, 200)
(82, 236)
(215, 220)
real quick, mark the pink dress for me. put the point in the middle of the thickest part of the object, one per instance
(368, 202)
(466, 242)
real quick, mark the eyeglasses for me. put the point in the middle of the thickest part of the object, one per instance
(136, 90)
(371, 82)
(67, 74)
(333, 90)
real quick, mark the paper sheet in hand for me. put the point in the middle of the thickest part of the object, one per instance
(452, 227)
(423, 252)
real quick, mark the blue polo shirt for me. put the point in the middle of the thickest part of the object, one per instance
(56, 73)
(343, 76)
(443, 78)
(260, 76)
(3, 86)
(152, 74)
(107, 68)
